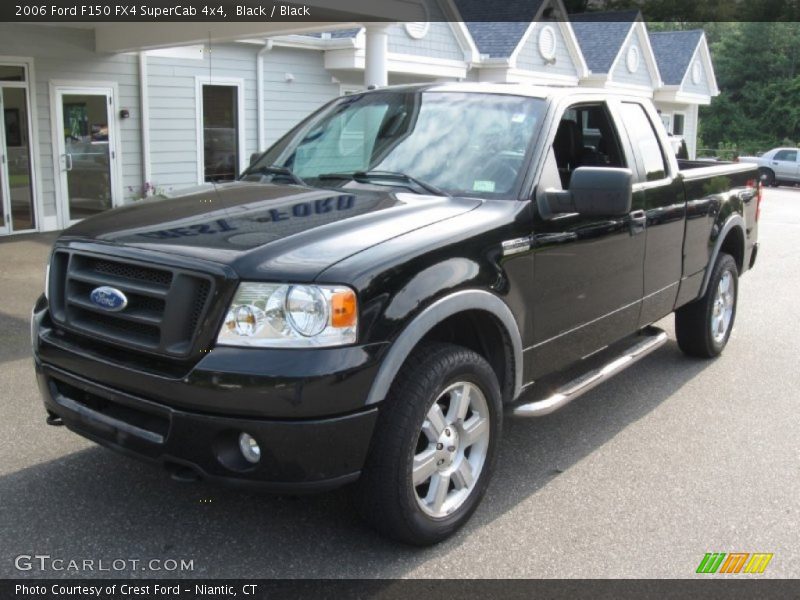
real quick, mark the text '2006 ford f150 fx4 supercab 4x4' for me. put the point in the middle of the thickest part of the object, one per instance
(378, 288)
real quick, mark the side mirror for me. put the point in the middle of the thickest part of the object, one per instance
(595, 192)
(254, 157)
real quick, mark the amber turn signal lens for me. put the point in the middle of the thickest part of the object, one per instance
(343, 309)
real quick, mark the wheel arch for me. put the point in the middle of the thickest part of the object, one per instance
(457, 305)
(731, 239)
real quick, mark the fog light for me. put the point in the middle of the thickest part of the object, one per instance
(249, 447)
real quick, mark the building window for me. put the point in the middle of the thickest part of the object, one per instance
(678, 121)
(220, 130)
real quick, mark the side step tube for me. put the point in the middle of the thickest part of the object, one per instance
(577, 387)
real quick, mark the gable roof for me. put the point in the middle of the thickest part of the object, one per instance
(497, 27)
(601, 36)
(674, 51)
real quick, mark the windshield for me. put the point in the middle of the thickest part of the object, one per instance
(471, 144)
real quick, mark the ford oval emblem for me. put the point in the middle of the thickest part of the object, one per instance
(108, 298)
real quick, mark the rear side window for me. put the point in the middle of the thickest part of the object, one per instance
(644, 140)
(790, 155)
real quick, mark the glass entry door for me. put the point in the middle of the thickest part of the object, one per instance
(86, 152)
(17, 211)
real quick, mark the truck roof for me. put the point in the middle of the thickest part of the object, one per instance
(516, 89)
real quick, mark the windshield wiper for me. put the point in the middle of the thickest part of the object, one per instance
(372, 176)
(275, 170)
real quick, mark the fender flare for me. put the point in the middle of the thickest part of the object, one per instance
(735, 220)
(430, 317)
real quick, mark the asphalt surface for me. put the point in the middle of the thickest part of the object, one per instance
(639, 478)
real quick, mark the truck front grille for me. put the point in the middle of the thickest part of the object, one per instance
(165, 305)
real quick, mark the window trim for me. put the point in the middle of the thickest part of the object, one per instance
(43, 223)
(199, 82)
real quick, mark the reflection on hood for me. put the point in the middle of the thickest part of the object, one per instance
(270, 229)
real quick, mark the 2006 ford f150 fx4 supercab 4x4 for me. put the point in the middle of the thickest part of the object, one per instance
(382, 284)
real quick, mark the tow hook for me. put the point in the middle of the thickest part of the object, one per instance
(54, 420)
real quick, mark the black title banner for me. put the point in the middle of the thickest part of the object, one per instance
(225, 589)
(346, 11)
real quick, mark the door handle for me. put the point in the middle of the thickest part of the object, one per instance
(775, 163)
(638, 221)
(68, 162)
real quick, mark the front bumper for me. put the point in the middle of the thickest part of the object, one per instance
(314, 430)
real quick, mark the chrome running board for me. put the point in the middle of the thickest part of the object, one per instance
(567, 393)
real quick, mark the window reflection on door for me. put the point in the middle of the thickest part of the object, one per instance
(86, 154)
(16, 192)
(220, 132)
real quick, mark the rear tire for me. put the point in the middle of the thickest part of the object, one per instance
(434, 446)
(767, 177)
(704, 326)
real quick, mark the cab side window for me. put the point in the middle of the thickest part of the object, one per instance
(644, 141)
(586, 137)
(787, 155)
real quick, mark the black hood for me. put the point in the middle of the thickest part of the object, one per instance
(286, 231)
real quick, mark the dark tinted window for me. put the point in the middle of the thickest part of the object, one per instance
(220, 132)
(9, 73)
(644, 140)
(677, 124)
(789, 155)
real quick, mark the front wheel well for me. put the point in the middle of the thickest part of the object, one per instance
(481, 332)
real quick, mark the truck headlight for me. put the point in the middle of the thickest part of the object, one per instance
(290, 316)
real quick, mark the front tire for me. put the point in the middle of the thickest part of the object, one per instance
(767, 177)
(704, 326)
(434, 446)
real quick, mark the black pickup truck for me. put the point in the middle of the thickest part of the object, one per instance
(379, 287)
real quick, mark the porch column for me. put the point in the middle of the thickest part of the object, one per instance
(376, 65)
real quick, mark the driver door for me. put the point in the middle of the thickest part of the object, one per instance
(588, 273)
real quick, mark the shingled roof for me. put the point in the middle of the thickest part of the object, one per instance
(601, 36)
(497, 27)
(674, 51)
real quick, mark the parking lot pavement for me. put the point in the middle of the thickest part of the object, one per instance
(639, 478)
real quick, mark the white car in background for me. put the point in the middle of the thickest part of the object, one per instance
(779, 165)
